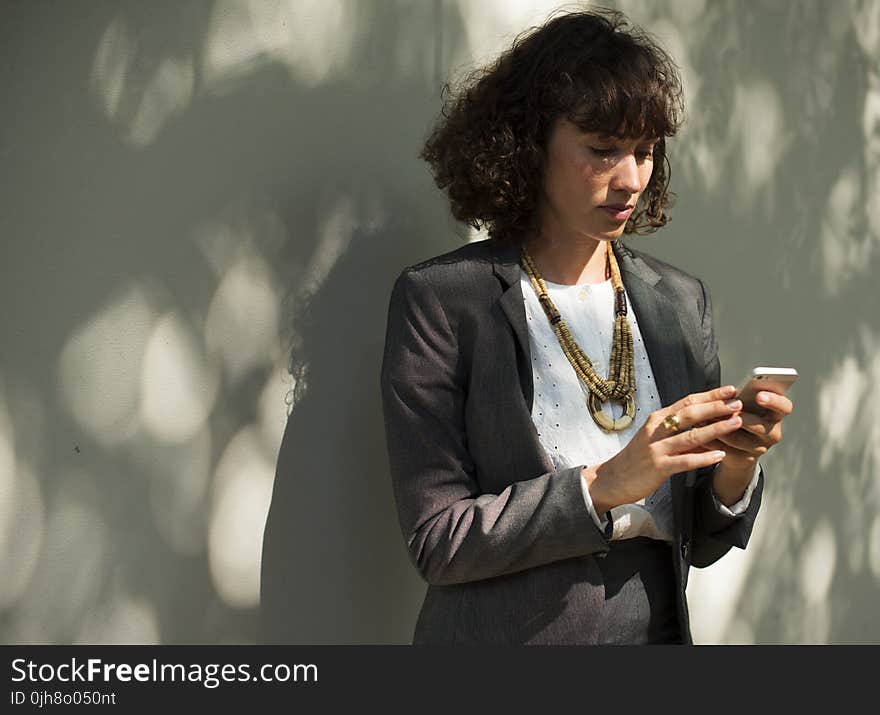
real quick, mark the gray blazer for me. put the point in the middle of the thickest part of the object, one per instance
(502, 537)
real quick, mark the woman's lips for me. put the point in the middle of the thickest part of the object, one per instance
(617, 214)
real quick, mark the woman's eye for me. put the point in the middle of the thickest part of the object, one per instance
(641, 155)
(608, 154)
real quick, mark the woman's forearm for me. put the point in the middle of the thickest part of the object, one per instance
(729, 481)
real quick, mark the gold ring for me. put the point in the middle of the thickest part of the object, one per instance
(671, 422)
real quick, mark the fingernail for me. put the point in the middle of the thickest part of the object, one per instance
(762, 398)
(734, 404)
(734, 420)
(718, 456)
(728, 390)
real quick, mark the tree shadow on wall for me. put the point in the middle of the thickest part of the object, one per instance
(242, 155)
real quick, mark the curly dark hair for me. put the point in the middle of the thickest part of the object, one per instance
(487, 150)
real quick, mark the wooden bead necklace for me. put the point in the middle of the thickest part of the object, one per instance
(620, 384)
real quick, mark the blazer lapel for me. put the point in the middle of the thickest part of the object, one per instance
(506, 267)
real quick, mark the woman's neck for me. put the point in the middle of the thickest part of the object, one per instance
(570, 262)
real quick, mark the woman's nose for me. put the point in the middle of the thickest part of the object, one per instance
(626, 175)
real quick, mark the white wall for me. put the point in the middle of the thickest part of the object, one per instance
(190, 188)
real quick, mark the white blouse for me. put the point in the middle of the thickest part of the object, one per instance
(559, 410)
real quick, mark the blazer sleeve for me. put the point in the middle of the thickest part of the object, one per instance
(455, 533)
(714, 532)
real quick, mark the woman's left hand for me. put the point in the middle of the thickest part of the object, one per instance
(758, 433)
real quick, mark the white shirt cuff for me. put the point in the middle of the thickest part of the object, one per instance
(742, 504)
(601, 522)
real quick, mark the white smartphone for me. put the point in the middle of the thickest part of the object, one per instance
(770, 379)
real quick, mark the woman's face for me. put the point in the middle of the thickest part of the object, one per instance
(586, 173)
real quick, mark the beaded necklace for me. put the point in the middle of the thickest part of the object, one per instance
(620, 384)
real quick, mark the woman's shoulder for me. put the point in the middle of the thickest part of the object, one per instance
(675, 279)
(461, 280)
(467, 268)
(471, 257)
(662, 268)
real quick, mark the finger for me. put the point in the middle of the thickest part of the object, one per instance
(694, 460)
(715, 444)
(779, 406)
(757, 425)
(767, 433)
(696, 414)
(719, 393)
(708, 412)
(744, 442)
(699, 436)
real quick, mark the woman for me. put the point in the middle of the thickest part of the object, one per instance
(560, 449)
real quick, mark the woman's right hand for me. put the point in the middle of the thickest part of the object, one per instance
(656, 452)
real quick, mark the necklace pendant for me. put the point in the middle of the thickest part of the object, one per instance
(610, 424)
